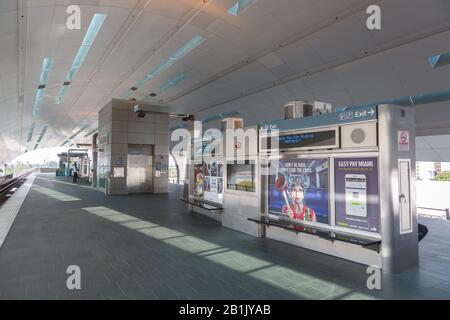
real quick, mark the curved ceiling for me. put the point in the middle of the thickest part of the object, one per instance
(271, 53)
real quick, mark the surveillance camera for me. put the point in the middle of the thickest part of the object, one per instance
(189, 117)
(141, 114)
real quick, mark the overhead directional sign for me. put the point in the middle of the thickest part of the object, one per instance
(336, 118)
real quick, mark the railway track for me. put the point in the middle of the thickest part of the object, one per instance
(10, 186)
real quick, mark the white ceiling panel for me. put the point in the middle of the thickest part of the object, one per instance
(326, 38)
(345, 38)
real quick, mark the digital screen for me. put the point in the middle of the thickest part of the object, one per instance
(306, 140)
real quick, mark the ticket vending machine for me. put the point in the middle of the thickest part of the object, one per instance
(343, 184)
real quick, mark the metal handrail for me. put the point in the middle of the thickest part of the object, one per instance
(446, 210)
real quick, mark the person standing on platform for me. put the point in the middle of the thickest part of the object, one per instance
(75, 172)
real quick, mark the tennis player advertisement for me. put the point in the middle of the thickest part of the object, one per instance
(299, 190)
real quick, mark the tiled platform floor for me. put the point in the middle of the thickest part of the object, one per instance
(149, 247)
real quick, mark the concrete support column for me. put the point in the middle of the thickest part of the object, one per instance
(399, 246)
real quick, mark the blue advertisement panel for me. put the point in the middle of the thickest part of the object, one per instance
(356, 192)
(299, 190)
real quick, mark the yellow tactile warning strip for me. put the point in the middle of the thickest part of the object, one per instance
(9, 210)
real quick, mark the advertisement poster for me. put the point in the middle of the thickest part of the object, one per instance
(299, 190)
(199, 181)
(356, 188)
(213, 174)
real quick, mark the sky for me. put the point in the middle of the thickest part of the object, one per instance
(40, 156)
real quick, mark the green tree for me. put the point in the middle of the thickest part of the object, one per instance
(443, 176)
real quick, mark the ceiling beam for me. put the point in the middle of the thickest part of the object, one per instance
(22, 25)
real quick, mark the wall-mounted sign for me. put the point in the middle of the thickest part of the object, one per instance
(330, 119)
(403, 139)
(356, 193)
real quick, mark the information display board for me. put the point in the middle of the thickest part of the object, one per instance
(319, 139)
(356, 193)
(299, 190)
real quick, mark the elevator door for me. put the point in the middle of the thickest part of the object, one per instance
(139, 173)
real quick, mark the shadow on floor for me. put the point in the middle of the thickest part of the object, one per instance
(148, 246)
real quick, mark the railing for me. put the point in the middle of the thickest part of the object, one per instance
(446, 211)
(5, 178)
(8, 184)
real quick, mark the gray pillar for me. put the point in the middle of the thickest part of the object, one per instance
(399, 246)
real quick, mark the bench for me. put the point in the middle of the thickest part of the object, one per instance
(371, 244)
(202, 204)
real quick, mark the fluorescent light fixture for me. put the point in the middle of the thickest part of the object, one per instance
(239, 6)
(30, 132)
(91, 33)
(45, 70)
(35, 146)
(94, 28)
(44, 130)
(46, 66)
(439, 60)
(64, 143)
(127, 94)
(61, 93)
(407, 101)
(176, 56)
(172, 83)
(78, 132)
(38, 101)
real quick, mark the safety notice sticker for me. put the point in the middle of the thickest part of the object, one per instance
(403, 140)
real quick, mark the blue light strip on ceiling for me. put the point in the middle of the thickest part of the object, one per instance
(61, 93)
(30, 132)
(43, 78)
(91, 33)
(239, 6)
(169, 84)
(46, 66)
(176, 56)
(439, 60)
(44, 130)
(78, 132)
(407, 101)
(172, 83)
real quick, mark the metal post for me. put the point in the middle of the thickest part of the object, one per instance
(447, 213)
